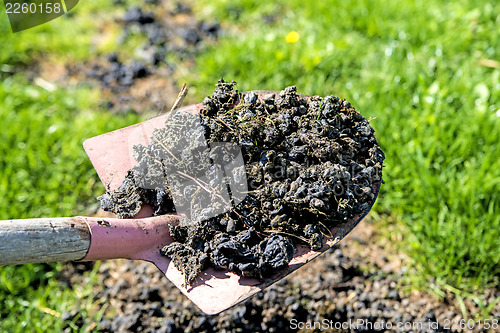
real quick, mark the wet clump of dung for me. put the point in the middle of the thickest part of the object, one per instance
(252, 178)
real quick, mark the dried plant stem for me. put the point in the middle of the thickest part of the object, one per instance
(178, 101)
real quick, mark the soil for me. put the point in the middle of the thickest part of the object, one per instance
(358, 279)
(308, 165)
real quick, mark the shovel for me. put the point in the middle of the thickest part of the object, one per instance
(141, 238)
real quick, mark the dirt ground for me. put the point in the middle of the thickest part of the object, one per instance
(359, 281)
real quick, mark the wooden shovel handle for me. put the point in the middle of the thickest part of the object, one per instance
(43, 240)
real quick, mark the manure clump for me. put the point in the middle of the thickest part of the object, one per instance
(251, 178)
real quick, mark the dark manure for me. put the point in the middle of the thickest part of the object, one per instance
(253, 178)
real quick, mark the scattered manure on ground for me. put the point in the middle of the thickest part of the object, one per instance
(251, 178)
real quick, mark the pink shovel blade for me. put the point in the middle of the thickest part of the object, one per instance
(213, 291)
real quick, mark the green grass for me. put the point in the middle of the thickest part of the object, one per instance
(414, 66)
(44, 170)
(35, 300)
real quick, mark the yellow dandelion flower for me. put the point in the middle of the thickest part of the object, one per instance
(292, 37)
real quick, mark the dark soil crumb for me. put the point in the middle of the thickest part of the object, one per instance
(310, 163)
